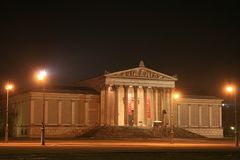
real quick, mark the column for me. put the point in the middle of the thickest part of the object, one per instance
(157, 104)
(189, 116)
(111, 106)
(210, 116)
(135, 105)
(220, 116)
(32, 112)
(145, 106)
(106, 109)
(179, 115)
(116, 105)
(154, 104)
(86, 106)
(73, 113)
(200, 115)
(125, 105)
(160, 104)
(59, 112)
(102, 106)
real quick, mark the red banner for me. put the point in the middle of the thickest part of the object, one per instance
(129, 105)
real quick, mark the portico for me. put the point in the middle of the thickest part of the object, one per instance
(135, 105)
(135, 97)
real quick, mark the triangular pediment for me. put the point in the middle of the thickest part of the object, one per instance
(141, 73)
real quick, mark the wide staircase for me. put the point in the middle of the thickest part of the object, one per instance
(107, 132)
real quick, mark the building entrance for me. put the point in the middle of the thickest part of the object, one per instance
(131, 118)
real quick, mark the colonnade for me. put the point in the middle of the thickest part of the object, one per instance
(160, 99)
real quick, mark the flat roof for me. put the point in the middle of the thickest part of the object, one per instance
(200, 97)
(61, 89)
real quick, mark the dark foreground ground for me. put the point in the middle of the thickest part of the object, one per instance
(139, 149)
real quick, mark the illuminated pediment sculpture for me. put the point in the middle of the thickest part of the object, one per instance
(141, 72)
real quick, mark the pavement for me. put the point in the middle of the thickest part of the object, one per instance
(221, 149)
(205, 142)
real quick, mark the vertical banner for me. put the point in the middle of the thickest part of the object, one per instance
(148, 107)
(129, 105)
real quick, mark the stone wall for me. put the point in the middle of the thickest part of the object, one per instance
(199, 115)
(66, 114)
(58, 131)
(207, 132)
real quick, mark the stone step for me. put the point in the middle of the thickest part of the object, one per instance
(134, 132)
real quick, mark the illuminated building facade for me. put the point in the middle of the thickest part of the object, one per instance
(135, 97)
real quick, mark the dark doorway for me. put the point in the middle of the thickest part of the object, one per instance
(131, 118)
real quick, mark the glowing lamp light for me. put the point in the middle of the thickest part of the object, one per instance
(232, 128)
(229, 89)
(9, 87)
(176, 95)
(41, 75)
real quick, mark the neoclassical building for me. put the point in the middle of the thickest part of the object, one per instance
(135, 97)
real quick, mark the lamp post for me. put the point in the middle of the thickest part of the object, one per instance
(8, 88)
(233, 90)
(41, 76)
(174, 95)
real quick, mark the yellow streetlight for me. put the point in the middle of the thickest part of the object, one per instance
(41, 76)
(8, 87)
(175, 95)
(233, 90)
(229, 89)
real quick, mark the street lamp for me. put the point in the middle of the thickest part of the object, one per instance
(231, 89)
(41, 76)
(175, 95)
(8, 88)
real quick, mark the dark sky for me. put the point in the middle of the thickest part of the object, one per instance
(197, 41)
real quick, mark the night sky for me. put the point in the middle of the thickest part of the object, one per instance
(197, 41)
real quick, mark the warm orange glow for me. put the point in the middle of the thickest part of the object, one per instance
(41, 75)
(229, 89)
(176, 95)
(9, 87)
